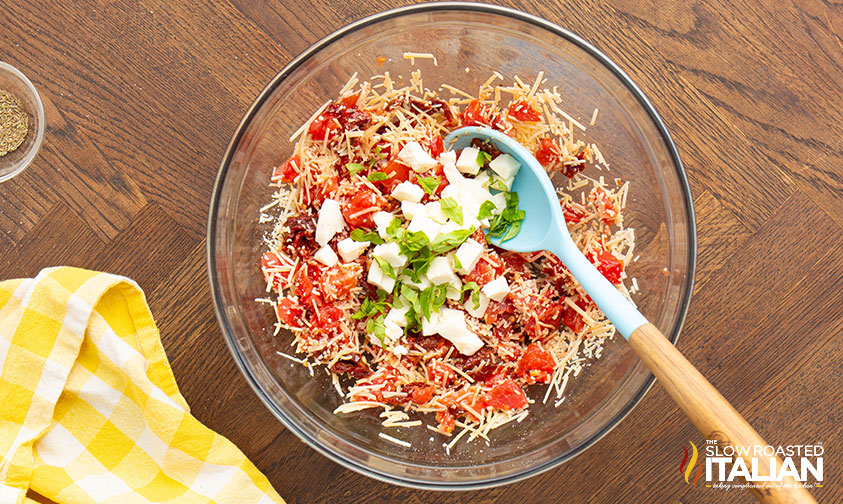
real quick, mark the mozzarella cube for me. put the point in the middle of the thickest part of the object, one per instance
(393, 331)
(449, 227)
(330, 221)
(453, 328)
(391, 253)
(467, 162)
(440, 271)
(497, 289)
(408, 191)
(377, 277)
(414, 156)
(480, 310)
(453, 175)
(350, 250)
(434, 211)
(467, 255)
(410, 209)
(397, 316)
(454, 290)
(482, 179)
(421, 285)
(400, 350)
(505, 166)
(507, 182)
(431, 326)
(382, 220)
(421, 222)
(326, 256)
(447, 157)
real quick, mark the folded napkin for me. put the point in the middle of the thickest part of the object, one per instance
(89, 408)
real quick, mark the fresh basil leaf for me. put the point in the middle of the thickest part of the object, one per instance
(498, 184)
(429, 184)
(512, 231)
(457, 263)
(387, 268)
(377, 176)
(425, 301)
(451, 209)
(438, 297)
(446, 242)
(487, 209)
(359, 235)
(393, 226)
(482, 158)
(378, 152)
(354, 168)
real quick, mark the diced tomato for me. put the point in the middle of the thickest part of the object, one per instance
(440, 374)
(515, 261)
(604, 205)
(271, 261)
(608, 265)
(319, 193)
(499, 310)
(572, 319)
(506, 395)
(522, 111)
(419, 392)
(536, 365)
(288, 171)
(350, 100)
(551, 156)
(396, 173)
(338, 280)
(484, 272)
(324, 126)
(304, 285)
(446, 421)
(478, 114)
(574, 213)
(327, 318)
(552, 314)
(289, 312)
(363, 200)
(434, 145)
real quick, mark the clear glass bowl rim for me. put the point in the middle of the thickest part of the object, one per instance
(333, 37)
(24, 162)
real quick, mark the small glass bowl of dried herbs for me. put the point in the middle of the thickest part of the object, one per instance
(21, 121)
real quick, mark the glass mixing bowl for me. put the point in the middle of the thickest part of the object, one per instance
(484, 39)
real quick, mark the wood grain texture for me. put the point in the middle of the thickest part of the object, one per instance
(142, 97)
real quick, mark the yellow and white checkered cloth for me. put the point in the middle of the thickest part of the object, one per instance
(89, 408)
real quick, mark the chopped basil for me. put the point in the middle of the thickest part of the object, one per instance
(377, 176)
(360, 236)
(475, 292)
(496, 183)
(487, 209)
(457, 263)
(354, 168)
(387, 268)
(451, 209)
(506, 225)
(429, 184)
(446, 242)
(482, 158)
(378, 152)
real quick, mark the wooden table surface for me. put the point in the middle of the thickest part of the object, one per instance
(141, 100)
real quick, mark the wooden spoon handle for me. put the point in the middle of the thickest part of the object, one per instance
(713, 416)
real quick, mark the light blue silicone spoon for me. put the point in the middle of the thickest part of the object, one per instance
(544, 228)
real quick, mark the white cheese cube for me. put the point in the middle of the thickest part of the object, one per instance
(468, 254)
(421, 285)
(440, 271)
(448, 157)
(499, 200)
(434, 211)
(400, 350)
(507, 182)
(393, 331)
(467, 162)
(430, 326)
(330, 221)
(480, 310)
(454, 289)
(350, 250)
(378, 278)
(421, 222)
(391, 253)
(453, 175)
(453, 328)
(449, 227)
(397, 316)
(408, 191)
(410, 209)
(497, 289)
(382, 220)
(414, 156)
(326, 256)
(482, 179)
(505, 166)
